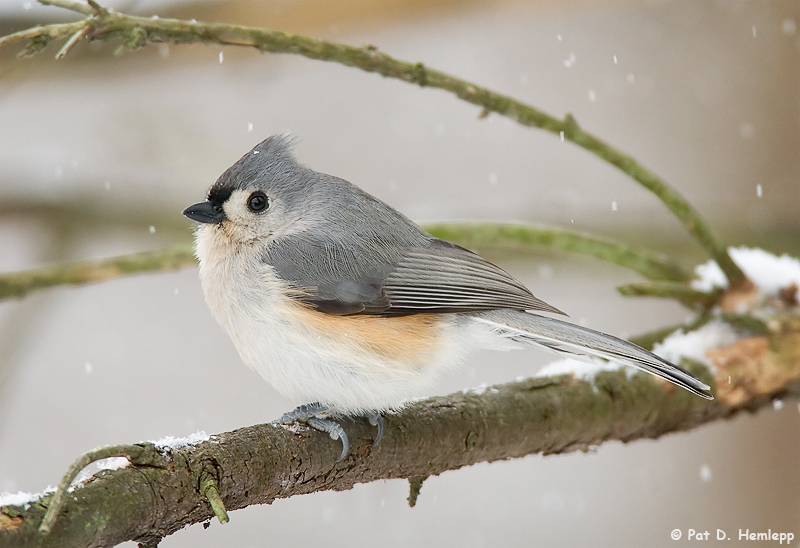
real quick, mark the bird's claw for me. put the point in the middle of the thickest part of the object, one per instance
(316, 416)
(375, 419)
(313, 414)
(334, 430)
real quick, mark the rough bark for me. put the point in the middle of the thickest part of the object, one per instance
(161, 492)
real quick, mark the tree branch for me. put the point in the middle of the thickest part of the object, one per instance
(85, 8)
(138, 31)
(19, 284)
(681, 292)
(163, 490)
(653, 266)
(650, 265)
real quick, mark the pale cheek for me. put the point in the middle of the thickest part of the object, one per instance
(241, 227)
(235, 208)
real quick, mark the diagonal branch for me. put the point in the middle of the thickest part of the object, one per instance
(681, 292)
(165, 490)
(86, 8)
(138, 31)
(653, 266)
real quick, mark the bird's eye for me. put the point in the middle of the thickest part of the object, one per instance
(257, 202)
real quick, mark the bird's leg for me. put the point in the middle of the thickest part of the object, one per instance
(313, 414)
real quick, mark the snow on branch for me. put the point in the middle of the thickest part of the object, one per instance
(172, 484)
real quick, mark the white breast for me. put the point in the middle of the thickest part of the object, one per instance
(312, 357)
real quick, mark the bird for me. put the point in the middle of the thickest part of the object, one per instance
(343, 303)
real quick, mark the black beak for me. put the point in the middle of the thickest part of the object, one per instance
(205, 212)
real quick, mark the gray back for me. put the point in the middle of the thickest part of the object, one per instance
(351, 253)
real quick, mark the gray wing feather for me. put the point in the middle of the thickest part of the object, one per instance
(446, 277)
(393, 278)
(330, 278)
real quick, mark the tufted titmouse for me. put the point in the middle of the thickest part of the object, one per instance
(336, 298)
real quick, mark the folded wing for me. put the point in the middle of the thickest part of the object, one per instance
(444, 277)
(431, 276)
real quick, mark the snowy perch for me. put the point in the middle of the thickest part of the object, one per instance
(568, 406)
(163, 490)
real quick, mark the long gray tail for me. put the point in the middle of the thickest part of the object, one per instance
(574, 339)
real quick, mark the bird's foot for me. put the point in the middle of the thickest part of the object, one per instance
(317, 417)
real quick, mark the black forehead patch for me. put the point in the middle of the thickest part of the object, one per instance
(219, 193)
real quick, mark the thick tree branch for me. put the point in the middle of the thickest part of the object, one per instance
(137, 32)
(650, 265)
(163, 491)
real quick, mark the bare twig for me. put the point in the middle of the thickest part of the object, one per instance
(72, 41)
(682, 292)
(653, 266)
(139, 31)
(41, 35)
(209, 488)
(19, 284)
(142, 454)
(74, 5)
(650, 265)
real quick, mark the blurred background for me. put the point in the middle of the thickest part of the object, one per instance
(99, 153)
